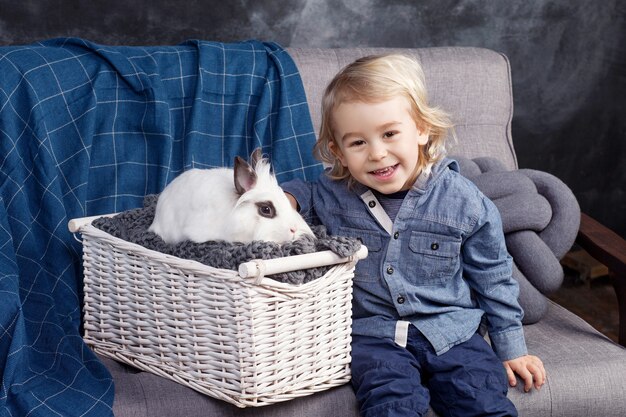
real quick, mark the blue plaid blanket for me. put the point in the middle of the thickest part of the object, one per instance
(87, 129)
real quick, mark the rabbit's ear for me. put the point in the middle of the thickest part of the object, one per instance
(245, 177)
(256, 156)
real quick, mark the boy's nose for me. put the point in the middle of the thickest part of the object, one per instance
(377, 152)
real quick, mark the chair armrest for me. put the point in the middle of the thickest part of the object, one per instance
(610, 249)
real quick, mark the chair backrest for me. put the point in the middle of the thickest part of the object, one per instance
(472, 84)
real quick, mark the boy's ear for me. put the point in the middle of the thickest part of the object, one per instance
(422, 135)
(334, 148)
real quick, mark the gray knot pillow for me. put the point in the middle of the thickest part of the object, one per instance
(540, 218)
(132, 226)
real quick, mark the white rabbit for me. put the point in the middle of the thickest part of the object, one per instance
(239, 205)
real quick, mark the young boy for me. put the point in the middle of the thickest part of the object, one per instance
(437, 264)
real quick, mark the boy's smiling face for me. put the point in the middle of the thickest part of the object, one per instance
(378, 143)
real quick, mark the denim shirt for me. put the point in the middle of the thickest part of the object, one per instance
(441, 265)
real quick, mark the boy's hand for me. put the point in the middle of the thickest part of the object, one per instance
(529, 368)
(292, 200)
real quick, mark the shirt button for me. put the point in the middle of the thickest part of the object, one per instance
(372, 204)
(396, 235)
(390, 270)
(434, 246)
(400, 299)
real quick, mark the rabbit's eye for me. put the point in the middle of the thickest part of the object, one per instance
(266, 209)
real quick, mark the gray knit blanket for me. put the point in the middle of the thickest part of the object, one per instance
(132, 226)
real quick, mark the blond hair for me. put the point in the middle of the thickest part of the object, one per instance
(379, 78)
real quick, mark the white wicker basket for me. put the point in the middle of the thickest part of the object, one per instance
(236, 336)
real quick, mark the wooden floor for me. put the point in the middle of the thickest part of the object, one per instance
(592, 299)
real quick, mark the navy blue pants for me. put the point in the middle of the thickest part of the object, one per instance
(392, 381)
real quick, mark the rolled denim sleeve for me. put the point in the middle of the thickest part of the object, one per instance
(488, 270)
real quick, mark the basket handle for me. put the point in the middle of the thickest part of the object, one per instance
(259, 268)
(74, 225)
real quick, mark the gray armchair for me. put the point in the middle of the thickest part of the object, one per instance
(586, 371)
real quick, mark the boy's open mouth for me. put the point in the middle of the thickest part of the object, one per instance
(384, 172)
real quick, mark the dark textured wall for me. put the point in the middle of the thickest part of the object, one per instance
(568, 60)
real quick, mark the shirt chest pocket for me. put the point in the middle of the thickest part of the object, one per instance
(366, 269)
(436, 257)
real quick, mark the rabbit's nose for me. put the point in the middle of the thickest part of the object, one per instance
(293, 229)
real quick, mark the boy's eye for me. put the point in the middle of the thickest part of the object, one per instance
(389, 134)
(358, 142)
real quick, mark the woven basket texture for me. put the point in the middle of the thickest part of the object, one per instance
(247, 343)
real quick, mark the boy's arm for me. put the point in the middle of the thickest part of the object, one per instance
(488, 269)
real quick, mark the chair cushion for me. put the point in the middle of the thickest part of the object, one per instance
(579, 383)
(585, 369)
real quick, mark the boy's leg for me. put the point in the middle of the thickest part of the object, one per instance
(468, 380)
(386, 379)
